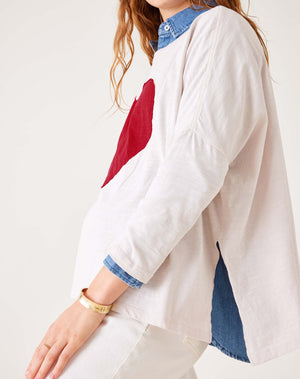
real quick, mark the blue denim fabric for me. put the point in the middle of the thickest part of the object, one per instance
(227, 328)
(175, 25)
(117, 270)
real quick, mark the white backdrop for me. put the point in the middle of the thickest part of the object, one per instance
(56, 146)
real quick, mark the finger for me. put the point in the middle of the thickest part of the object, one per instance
(40, 353)
(63, 359)
(36, 361)
(49, 359)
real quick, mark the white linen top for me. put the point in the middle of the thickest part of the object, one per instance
(212, 169)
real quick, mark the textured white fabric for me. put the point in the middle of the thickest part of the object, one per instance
(124, 348)
(213, 170)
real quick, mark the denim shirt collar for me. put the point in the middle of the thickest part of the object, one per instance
(174, 26)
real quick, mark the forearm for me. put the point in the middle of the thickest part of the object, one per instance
(106, 287)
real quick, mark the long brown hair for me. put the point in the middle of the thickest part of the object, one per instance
(146, 19)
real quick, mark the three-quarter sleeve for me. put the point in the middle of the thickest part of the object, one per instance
(222, 102)
(190, 176)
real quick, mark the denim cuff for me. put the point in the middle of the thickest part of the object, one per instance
(117, 270)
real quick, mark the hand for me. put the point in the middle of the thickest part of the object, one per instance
(65, 336)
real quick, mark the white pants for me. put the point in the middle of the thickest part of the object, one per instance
(125, 348)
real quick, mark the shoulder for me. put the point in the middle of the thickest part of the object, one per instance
(234, 25)
(228, 31)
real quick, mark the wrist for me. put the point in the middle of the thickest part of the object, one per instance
(106, 287)
(95, 294)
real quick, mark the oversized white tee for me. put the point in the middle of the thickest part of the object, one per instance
(209, 166)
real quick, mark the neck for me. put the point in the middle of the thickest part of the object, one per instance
(169, 12)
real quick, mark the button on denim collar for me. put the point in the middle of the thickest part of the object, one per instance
(174, 26)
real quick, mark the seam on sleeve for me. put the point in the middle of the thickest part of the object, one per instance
(207, 74)
(206, 141)
(208, 69)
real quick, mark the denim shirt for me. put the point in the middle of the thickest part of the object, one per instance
(227, 329)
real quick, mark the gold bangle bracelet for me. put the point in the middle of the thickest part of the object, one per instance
(100, 308)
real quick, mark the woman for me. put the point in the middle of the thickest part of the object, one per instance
(193, 224)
